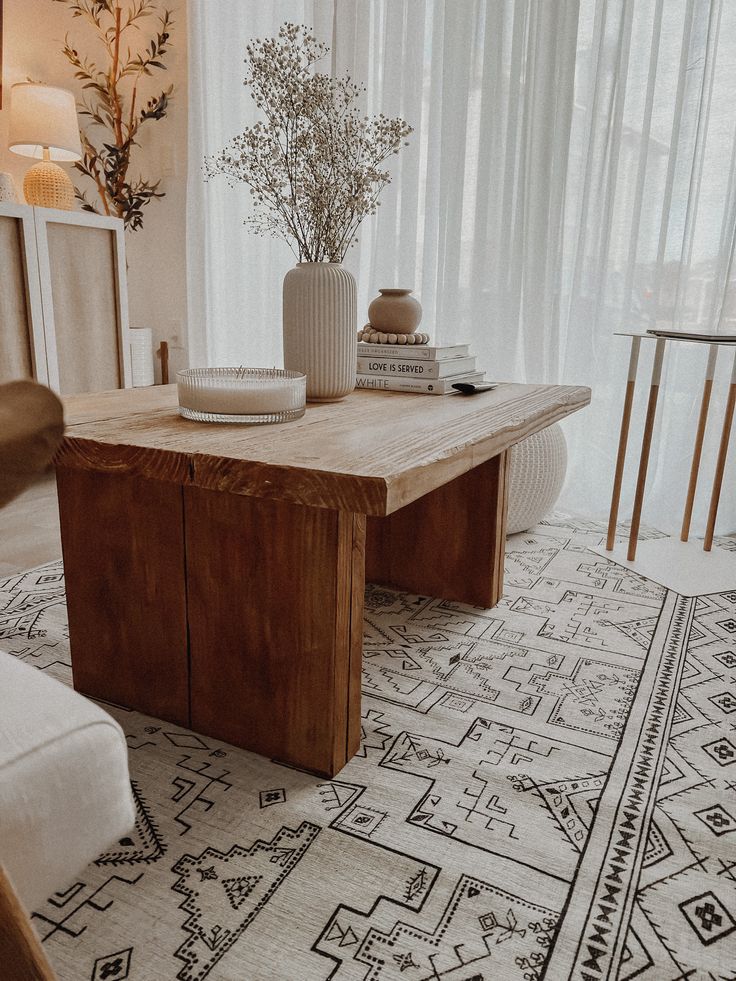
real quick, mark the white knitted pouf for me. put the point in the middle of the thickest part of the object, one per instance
(538, 466)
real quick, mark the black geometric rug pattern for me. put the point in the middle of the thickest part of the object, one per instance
(545, 791)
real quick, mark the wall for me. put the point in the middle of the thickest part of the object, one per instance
(33, 34)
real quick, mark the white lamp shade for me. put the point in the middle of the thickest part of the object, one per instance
(43, 117)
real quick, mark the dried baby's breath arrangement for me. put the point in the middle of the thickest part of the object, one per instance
(314, 165)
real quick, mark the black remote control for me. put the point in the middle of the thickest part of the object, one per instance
(467, 388)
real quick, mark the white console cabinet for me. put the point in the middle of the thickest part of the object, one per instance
(63, 299)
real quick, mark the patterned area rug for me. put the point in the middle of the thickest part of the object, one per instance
(545, 790)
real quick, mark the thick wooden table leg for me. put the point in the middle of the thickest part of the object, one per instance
(123, 545)
(275, 596)
(449, 543)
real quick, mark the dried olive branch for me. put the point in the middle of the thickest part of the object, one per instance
(110, 101)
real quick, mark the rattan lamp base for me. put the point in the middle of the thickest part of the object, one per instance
(46, 185)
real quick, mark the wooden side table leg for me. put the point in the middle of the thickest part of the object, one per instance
(646, 445)
(275, 597)
(450, 543)
(698, 448)
(623, 441)
(721, 461)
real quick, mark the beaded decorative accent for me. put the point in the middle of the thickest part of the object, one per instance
(368, 335)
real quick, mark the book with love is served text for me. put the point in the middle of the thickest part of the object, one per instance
(406, 368)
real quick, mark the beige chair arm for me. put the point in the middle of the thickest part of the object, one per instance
(31, 428)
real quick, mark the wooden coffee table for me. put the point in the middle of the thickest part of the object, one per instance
(215, 574)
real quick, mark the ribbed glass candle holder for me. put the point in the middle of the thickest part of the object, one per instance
(242, 395)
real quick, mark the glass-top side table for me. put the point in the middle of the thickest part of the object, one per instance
(661, 339)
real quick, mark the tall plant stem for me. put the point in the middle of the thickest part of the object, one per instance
(97, 179)
(118, 113)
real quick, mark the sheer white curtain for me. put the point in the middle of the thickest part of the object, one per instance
(234, 278)
(650, 216)
(570, 174)
(473, 215)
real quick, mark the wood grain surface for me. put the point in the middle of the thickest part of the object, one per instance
(123, 545)
(22, 957)
(371, 454)
(275, 597)
(449, 543)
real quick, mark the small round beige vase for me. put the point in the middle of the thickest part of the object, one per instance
(320, 314)
(395, 311)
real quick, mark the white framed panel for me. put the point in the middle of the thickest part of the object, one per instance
(81, 264)
(22, 342)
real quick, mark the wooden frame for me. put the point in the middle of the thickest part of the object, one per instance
(21, 955)
(36, 261)
(43, 217)
(37, 337)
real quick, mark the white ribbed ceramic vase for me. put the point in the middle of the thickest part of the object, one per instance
(320, 320)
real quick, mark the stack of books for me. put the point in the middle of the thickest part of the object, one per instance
(415, 368)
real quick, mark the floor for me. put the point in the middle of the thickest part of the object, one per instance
(29, 529)
(544, 792)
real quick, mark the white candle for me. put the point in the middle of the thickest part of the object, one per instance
(244, 394)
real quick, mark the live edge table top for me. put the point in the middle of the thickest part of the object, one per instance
(372, 453)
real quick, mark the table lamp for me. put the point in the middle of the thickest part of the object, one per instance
(43, 124)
